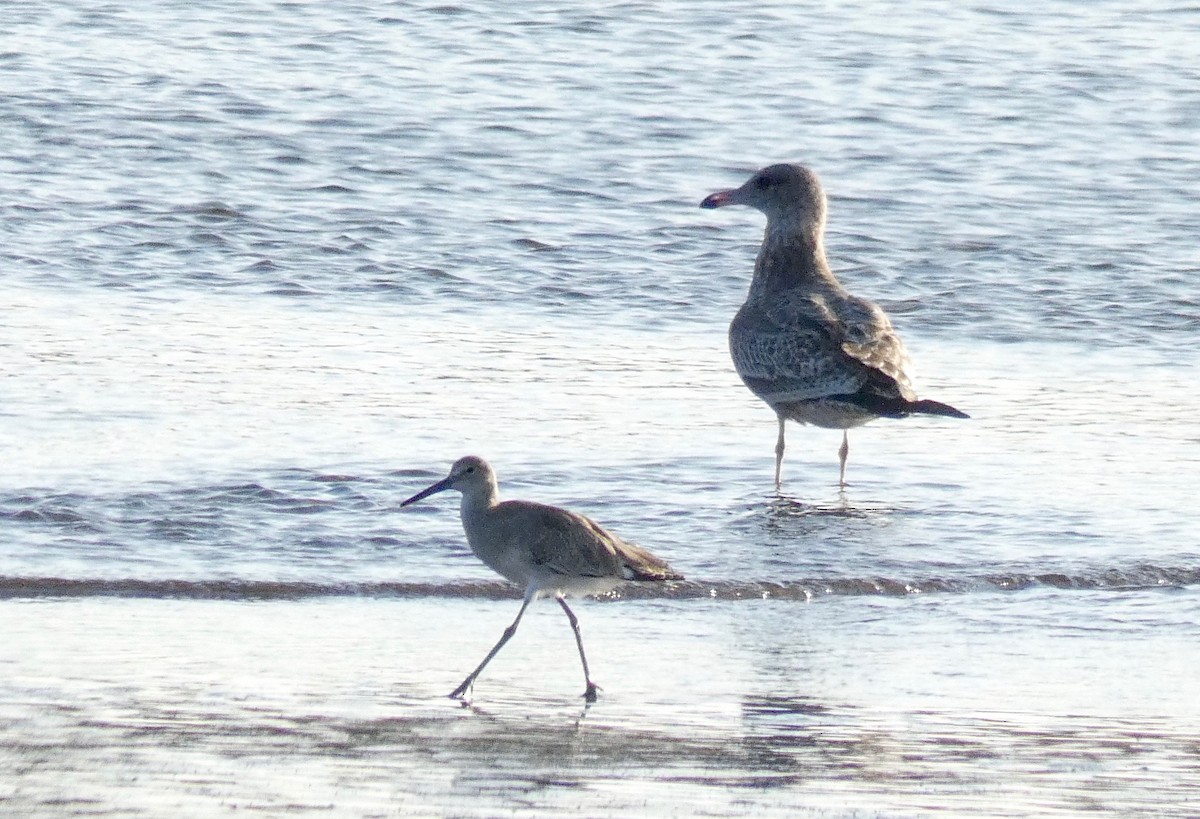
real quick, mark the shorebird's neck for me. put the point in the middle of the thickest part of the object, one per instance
(791, 257)
(477, 500)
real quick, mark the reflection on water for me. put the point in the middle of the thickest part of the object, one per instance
(822, 709)
(782, 508)
(784, 756)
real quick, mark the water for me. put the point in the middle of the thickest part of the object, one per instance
(270, 270)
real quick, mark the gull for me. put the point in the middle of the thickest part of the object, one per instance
(812, 351)
(547, 550)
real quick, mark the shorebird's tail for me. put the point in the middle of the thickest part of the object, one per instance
(639, 564)
(928, 407)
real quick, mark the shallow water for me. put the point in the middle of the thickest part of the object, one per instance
(883, 706)
(268, 274)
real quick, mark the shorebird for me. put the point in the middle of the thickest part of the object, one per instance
(812, 351)
(548, 550)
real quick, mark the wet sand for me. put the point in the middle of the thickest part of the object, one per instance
(128, 707)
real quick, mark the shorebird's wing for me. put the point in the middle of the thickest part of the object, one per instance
(569, 544)
(801, 348)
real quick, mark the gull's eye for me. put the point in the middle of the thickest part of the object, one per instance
(468, 470)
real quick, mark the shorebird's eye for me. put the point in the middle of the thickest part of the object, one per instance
(468, 470)
(764, 182)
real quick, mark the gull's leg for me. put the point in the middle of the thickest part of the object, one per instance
(590, 693)
(779, 456)
(843, 451)
(461, 691)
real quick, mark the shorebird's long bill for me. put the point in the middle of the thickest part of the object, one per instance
(718, 200)
(440, 486)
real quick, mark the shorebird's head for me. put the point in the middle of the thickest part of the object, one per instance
(786, 193)
(470, 475)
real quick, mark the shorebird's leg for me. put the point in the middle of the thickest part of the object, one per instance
(843, 451)
(590, 693)
(460, 693)
(779, 456)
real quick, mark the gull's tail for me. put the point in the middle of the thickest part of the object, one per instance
(928, 407)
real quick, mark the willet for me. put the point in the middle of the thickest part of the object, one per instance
(548, 550)
(812, 351)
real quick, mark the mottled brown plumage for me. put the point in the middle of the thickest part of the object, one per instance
(812, 351)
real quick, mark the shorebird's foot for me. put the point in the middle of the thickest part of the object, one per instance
(592, 692)
(460, 693)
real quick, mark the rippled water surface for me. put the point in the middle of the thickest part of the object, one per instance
(270, 269)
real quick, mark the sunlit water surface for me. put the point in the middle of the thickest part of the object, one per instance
(269, 271)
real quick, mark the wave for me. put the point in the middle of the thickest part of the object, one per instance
(1134, 578)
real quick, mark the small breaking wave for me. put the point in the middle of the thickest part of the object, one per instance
(803, 589)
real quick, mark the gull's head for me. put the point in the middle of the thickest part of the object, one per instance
(786, 193)
(470, 475)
